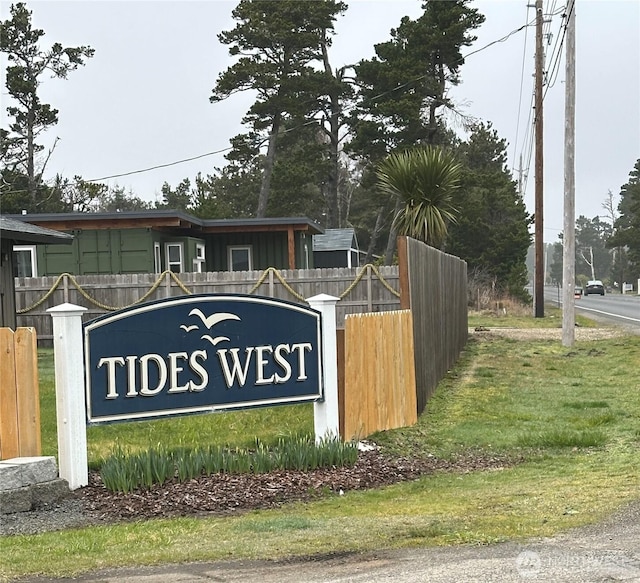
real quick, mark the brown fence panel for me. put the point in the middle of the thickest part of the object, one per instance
(19, 396)
(438, 300)
(379, 376)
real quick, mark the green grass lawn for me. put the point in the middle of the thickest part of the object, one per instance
(570, 416)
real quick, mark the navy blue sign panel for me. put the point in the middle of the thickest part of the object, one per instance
(201, 353)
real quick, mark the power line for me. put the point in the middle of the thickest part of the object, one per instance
(522, 68)
(311, 122)
(160, 165)
(555, 68)
(528, 143)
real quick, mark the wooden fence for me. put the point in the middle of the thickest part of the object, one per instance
(19, 394)
(379, 375)
(431, 283)
(367, 289)
(434, 286)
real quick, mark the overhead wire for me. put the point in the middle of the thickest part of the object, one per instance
(553, 75)
(522, 69)
(527, 148)
(222, 150)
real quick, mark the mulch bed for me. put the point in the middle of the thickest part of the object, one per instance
(224, 494)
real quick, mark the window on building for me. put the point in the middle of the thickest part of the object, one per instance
(240, 258)
(25, 261)
(174, 257)
(157, 258)
(199, 261)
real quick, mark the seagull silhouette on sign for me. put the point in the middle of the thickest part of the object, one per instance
(189, 328)
(210, 322)
(213, 319)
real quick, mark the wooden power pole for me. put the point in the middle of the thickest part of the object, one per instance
(538, 293)
(569, 227)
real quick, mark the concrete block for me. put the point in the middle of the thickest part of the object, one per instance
(10, 476)
(49, 492)
(36, 469)
(17, 500)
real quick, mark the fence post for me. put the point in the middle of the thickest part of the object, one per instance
(403, 274)
(272, 292)
(326, 412)
(65, 288)
(70, 395)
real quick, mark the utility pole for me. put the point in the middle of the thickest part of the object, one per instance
(569, 234)
(538, 293)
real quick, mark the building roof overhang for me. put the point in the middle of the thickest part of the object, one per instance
(21, 232)
(168, 220)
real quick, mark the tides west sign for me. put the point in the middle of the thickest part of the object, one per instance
(201, 353)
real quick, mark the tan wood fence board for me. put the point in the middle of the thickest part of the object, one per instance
(28, 397)
(379, 381)
(9, 446)
(19, 395)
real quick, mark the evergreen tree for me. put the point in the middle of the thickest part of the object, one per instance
(627, 227)
(278, 44)
(179, 199)
(402, 91)
(27, 63)
(491, 233)
(228, 194)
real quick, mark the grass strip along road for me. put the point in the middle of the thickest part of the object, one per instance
(567, 417)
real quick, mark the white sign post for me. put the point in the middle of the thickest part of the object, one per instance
(325, 412)
(70, 394)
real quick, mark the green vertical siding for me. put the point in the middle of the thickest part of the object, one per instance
(57, 259)
(268, 250)
(115, 251)
(134, 249)
(99, 252)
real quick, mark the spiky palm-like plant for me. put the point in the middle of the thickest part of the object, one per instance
(425, 180)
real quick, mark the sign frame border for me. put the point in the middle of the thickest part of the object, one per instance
(195, 298)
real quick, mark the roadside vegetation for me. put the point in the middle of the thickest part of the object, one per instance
(568, 418)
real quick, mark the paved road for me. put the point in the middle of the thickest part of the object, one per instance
(609, 551)
(612, 309)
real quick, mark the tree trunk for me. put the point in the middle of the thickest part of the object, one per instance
(333, 221)
(31, 173)
(393, 236)
(374, 236)
(269, 162)
(437, 100)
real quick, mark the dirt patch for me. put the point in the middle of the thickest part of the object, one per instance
(581, 334)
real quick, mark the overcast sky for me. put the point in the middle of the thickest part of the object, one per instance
(143, 100)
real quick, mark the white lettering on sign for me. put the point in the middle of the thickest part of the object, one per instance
(172, 372)
(143, 366)
(234, 370)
